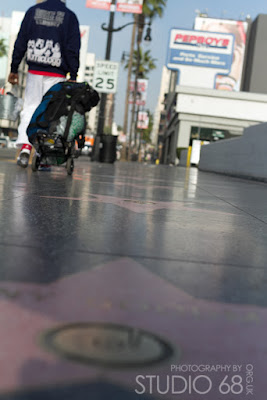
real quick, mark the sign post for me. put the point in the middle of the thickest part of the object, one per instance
(101, 118)
(132, 6)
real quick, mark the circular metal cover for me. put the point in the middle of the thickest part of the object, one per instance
(107, 344)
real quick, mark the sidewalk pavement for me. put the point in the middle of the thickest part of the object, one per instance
(126, 271)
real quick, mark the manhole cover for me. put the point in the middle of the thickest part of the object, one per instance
(107, 344)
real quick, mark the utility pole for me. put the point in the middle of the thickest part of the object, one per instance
(101, 119)
(130, 65)
(111, 29)
(140, 25)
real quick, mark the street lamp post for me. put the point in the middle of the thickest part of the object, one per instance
(103, 100)
(140, 25)
(110, 30)
(130, 65)
(101, 119)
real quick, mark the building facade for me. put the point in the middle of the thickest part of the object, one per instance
(159, 113)
(194, 113)
(254, 79)
(208, 104)
(92, 116)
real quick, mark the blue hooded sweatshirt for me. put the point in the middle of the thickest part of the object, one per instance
(50, 37)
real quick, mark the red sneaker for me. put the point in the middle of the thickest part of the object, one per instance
(24, 155)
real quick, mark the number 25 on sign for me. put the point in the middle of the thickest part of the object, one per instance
(106, 76)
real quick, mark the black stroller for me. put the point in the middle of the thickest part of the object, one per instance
(58, 122)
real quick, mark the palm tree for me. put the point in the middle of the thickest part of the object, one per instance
(3, 48)
(146, 63)
(151, 9)
(130, 61)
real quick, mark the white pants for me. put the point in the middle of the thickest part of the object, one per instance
(36, 87)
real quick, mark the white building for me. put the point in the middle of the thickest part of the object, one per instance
(164, 88)
(207, 102)
(221, 110)
(92, 120)
(84, 30)
(89, 68)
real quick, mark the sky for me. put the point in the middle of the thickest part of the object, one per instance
(178, 14)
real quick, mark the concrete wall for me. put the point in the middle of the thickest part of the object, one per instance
(183, 158)
(245, 156)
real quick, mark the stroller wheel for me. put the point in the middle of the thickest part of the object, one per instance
(35, 162)
(70, 166)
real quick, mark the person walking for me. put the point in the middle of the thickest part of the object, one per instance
(50, 38)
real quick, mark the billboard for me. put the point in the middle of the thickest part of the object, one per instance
(131, 6)
(238, 29)
(141, 93)
(202, 49)
(200, 56)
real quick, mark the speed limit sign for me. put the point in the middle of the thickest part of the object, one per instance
(106, 76)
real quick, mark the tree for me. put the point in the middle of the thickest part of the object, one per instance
(130, 61)
(151, 9)
(146, 63)
(3, 48)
